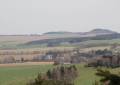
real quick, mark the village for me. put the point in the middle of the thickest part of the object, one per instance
(76, 56)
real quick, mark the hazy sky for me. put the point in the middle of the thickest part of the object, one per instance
(39, 16)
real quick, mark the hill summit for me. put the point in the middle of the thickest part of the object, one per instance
(93, 32)
(98, 30)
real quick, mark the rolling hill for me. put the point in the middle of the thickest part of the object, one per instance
(91, 33)
(97, 34)
(55, 39)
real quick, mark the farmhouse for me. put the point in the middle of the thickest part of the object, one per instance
(114, 60)
(106, 60)
(47, 57)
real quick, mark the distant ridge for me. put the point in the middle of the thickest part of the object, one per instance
(57, 38)
(58, 32)
(98, 30)
(93, 32)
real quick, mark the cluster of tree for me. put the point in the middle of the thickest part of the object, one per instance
(106, 61)
(108, 78)
(57, 76)
(103, 52)
(104, 58)
(20, 52)
(11, 59)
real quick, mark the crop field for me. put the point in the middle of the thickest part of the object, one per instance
(20, 75)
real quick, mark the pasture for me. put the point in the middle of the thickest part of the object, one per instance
(21, 74)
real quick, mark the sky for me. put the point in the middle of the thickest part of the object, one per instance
(39, 16)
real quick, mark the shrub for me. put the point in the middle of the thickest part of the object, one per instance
(108, 78)
(57, 76)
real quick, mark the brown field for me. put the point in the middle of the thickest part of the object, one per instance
(26, 64)
(21, 38)
(27, 38)
(38, 49)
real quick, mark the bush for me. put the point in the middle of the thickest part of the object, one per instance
(108, 78)
(57, 76)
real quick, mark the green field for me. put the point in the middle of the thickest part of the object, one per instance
(22, 74)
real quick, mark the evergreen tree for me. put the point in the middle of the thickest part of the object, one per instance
(108, 78)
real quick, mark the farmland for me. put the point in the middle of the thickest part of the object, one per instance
(41, 41)
(20, 75)
(59, 42)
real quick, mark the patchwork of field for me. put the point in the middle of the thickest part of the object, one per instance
(20, 75)
(18, 42)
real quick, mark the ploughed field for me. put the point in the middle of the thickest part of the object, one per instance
(21, 74)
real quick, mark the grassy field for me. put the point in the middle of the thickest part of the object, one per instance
(20, 75)
(86, 76)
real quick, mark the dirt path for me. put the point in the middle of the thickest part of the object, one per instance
(25, 64)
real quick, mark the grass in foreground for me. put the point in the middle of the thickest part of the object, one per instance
(20, 75)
